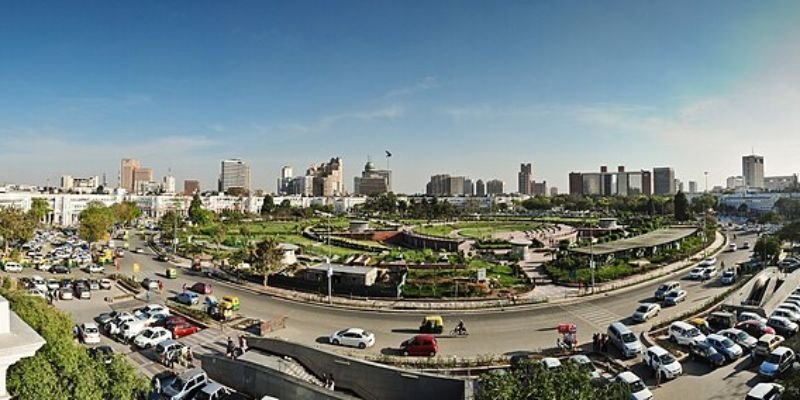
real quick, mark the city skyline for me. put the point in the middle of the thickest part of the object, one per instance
(287, 84)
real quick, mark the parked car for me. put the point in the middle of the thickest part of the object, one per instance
(778, 362)
(782, 325)
(788, 314)
(82, 292)
(151, 309)
(719, 320)
(551, 363)
(150, 283)
(586, 364)
(624, 339)
(202, 288)
(725, 346)
(646, 311)
(213, 391)
(186, 385)
(12, 267)
(420, 345)
(745, 245)
(173, 320)
(167, 347)
(674, 297)
(662, 362)
(45, 267)
(740, 337)
(638, 389)
(90, 333)
(52, 284)
(188, 298)
(60, 269)
(665, 288)
(106, 284)
(767, 343)
(95, 269)
(66, 293)
(354, 337)
(703, 351)
(94, 284)
(765, 391)
(755, 328)
(793, 307)
(151, 336)
(131, 329)
(181, 330)
(749, 315)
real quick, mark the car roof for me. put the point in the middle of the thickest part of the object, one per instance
(354, 330)
(580, 358)
(682, 324)
(90, 325)
(211, 387)
(628, 377)
(781, 350)
(425, 336)
(760, 389)
(186, 375)
(551, 361)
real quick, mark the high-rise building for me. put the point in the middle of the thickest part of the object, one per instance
(234, 174)
(664, 181)
(469, 187)
(678, 185)
(372, 181)
(302, 185)
(328, 178)
(734, 182)
(753, 171)
(190, 187)
(79, 185)
(604, 183)
(539, 188)
(168, 185)
(143, 180)
(495, 187)
(285, 180)
(553, 191)
(66, 183)
(480, 188)
(126, 173)
(525, 179)
(692, 187)
(780, 183)
(575, 183)
(446, 185)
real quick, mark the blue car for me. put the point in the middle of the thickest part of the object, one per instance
(188, 298)
(702, 351)
(777, 362)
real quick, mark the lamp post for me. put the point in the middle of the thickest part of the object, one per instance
(705, 219)
(330, 276)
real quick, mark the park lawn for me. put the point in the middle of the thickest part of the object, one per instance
(316, 248)
(435, 230)
(439, 282)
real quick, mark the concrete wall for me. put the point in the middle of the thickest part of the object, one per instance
(370, 381)
(257, 381)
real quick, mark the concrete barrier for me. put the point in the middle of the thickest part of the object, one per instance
(368, 380)
(257, 381)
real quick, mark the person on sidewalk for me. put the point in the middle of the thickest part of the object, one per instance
(242, 343)
(229, 349)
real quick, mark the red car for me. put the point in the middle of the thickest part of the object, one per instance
(420, 345)
(755, 328)
(202, 288)
(181, 330)
(173, 320)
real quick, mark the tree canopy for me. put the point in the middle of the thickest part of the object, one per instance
(62, 369)
(95, 222)
(125, 212)
(197, 214)
(681, 207)
(39, 208)
(15, 226)
(265, 257)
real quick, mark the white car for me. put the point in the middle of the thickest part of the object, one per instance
(66, 294)
(36, 292)
(551, 363)
(90, 333)
(709, 272)
(674, 297)
(149, 310)
(39, 283)
(646, 311)
(639, 390)
(765, 391)
(95, 269)
(354, 337)
(151, 337)
(749, 315)
(12, 267)
(106, 283)
(662, 362)
(696, 273)
(53, 284)
(708, 262)
(788, 314)
(44, 267)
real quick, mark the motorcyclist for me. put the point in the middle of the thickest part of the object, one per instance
(460, 328)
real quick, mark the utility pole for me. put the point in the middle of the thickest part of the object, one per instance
(591, 257)
(705, 219)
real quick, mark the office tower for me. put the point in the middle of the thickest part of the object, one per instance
(168, 185)
(143, 180)
(328, 178)
(190, 187)
(575, 183)
(604, 183)
(495, 187)
(445, 185)
(692, 187)
(480, 188)
(234, 174)
(734, 182)
(539, 188)
(753, 171)
(553, 191)
(302, 185)
(285, 180)
(372, 181)
(126, 173)
(780, 183)
(664, 181)
(469, 187)
(66, 183)
(525, 179)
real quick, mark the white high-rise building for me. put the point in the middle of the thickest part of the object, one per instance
(168, 185)
(285, 180)
(734, 182)
(753, 171)
(234, 173)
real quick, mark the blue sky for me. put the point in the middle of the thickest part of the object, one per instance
(468, 88)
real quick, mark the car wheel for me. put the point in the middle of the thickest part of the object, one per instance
(405, 353)
(362, 345)
(433, 353)
(335, 342)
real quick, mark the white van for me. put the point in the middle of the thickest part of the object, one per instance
(624, 339)
(684, 334)
(130, 329)
(662, 362)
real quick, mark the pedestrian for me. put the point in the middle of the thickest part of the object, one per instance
(160, 285)
(332, 385)
(156, 385)
(229, 349)
(184, 287)
(189, 356)
(147, 295)
(658, 378)
(594, 341)
(604, 345)
(325, 381)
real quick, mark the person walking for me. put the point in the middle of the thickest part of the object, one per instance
(156, 383)
(242, 343)
(184, 287)
(229, 348)
(160, 285)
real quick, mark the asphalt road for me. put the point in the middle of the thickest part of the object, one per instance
(491, 332)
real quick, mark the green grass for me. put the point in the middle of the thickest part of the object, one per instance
(436, 230)
(439, 282)
(476, 229)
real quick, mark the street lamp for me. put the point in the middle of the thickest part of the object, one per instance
(705, 219)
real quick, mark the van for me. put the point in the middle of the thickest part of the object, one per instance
(624, 339)
(684, 334)
(130, 329)
(665, 288)
(719, 320)
(767, 343)
(662, 362)
(186, 385)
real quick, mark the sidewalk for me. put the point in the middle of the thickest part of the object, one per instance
(539, 296)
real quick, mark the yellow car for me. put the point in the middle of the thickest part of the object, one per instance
(231, 301)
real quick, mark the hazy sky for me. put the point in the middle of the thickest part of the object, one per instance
(467, 88)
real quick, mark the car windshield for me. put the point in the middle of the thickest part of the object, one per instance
(91, 330)
(177, 385)
(148, 334)
(727, 342)
(637, 386)
(773, 358)
(642, 309)
(663, 287)
(742, 335)
(628, 338)
(667, 359)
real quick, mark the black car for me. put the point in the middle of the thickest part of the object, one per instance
(104, 352)
(105, 318)
(60, 269)
(703, 351)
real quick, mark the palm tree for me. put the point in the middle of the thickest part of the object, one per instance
(265, 257)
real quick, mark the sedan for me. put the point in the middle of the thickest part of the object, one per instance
(106, 283)
(202, 288)
(740, 337)
(188, 298)
(725, 346)
(646, 311)
(60, 269)
(151, 337)
(90, 333)
(778, 361)
(12, 267)
(66, 293)
(674, 297)
(705, 352)
(181, 330)
(52, 284)
(354, 337)
(755, 328)
(95, 269)
(696, 273)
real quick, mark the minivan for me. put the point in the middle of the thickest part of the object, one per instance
(684, 334)
(624, 339)
(186, 384)
(665, 288)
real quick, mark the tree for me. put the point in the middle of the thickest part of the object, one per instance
(217, 233)
(767, 248)
(788, 208)
(39, 208)
(169, 224)
(265, 257)
(125, 212)
(197, 214)
(95, 222)
(62, 369)
(529, 379)
(790, 232)
(15, 226)
(681, 207)
(268, 206)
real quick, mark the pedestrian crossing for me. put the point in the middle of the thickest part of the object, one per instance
(209, 341)
(597, 316)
